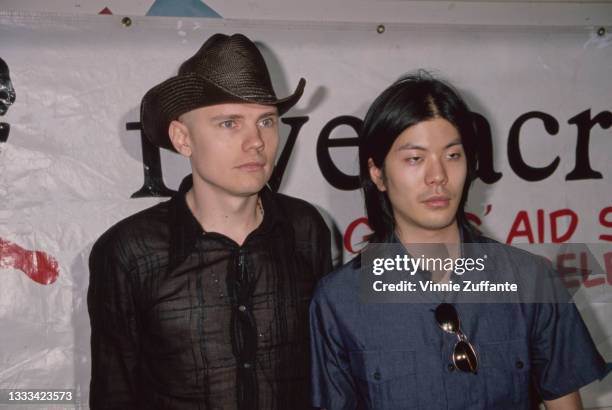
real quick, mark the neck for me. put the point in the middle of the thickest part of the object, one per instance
(233, 216)
(411, 234)
(448, 239)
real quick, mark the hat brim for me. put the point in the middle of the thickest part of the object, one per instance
(182, 93)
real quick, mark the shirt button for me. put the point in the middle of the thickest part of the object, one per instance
(246, 365)
(377, 376)
(519, 364)
(451, 367)
(242, 308)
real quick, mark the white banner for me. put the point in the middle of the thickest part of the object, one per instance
(73, 156)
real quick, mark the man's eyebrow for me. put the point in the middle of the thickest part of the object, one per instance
(409, 145)
(223, 117)
(269, 114)
(420, 148)
(453, 143)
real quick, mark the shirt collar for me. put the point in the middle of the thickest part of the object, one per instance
(465, 237)
(185, 228)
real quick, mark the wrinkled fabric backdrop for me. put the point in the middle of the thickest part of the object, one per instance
(73, 157)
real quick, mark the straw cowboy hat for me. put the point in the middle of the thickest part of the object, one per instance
(226, 69)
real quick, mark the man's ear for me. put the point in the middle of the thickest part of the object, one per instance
(179, 136)
(376, 175)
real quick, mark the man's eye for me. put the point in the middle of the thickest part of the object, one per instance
(454, 155)
(228, 124)
(266, 123)
(413, 160)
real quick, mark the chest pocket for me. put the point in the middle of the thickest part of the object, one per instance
(505, 369)
(385, 380)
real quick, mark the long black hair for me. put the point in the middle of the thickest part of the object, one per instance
(410, 100)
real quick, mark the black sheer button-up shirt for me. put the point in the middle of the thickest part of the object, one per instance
(184, 319)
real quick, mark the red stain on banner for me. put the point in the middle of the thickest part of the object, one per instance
(350, 230)
(106, 11)
(488, 209)
(37, 265)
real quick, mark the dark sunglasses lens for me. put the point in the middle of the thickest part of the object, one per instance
(464, 357)
(447, 318)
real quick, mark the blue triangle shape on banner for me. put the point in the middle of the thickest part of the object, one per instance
(181, 8)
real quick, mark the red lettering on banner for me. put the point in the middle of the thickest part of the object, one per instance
(350, 230)
(521, 227)
(608, 264)
(604, 222)
(540, 216)
(473, 218)
(565, 270)
(521, 219)
(37, 265)
(584, 270)
(554, 217)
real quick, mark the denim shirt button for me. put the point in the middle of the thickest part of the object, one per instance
(519, 364)
(451, 367)
(377, 376)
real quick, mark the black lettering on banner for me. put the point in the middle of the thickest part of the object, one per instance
(584, 122)
(515, 158)
(296, 124)
(154, 185)
(330, 171)
(151, 163)
(7, 98)
(5, 129)
(153, 179)
(484, 147)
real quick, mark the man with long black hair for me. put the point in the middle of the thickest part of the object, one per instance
(417, 158)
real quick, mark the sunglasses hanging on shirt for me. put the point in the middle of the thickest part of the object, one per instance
(464, 356)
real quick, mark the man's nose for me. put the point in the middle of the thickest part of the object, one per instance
(436, 173)
(253, 138)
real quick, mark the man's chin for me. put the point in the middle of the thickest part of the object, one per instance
(440, 223)
(249, 189)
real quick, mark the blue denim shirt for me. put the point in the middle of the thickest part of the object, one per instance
(395, 356)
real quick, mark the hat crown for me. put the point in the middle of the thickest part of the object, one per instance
(226, 69)
(233, 63)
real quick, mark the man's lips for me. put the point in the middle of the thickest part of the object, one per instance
(251, 166)
(437, 201)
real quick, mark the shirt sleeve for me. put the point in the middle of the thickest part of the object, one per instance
(114, 335)
(333, 387)
(564, 357)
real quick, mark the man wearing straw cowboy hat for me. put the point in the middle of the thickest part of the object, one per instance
(201, 302)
